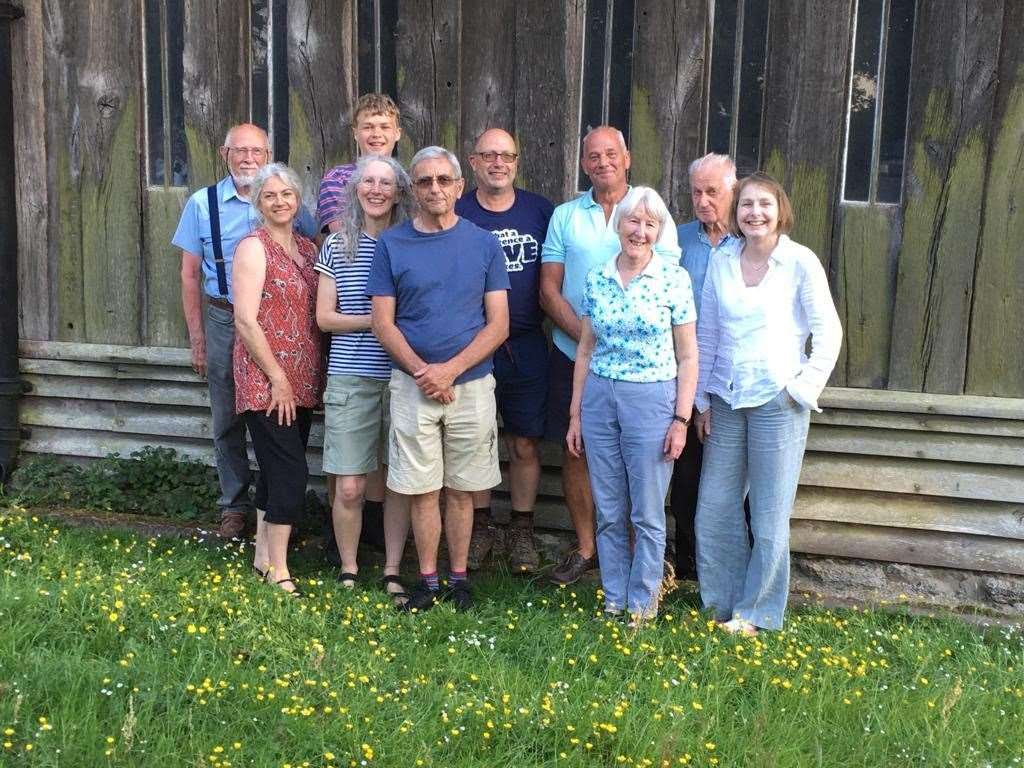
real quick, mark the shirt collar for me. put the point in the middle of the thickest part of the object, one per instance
(588, 201)
(780, 254)
(655, 268)
(703, 236)
(226, 187)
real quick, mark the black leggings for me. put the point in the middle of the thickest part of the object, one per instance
(281, 454)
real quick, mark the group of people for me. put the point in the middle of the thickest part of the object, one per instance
(694, 352)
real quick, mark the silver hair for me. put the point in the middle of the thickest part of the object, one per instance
(430, 153)
(267, 172)
(618, 133)
(646, 198)
(355, 217)
(710, 160)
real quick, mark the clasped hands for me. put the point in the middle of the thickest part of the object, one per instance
(436, 381)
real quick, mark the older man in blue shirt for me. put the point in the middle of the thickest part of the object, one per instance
(207, 244)
(712, 178)
(580, 237)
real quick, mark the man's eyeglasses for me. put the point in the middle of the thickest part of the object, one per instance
(426, 182)
(490, 157)
(253, 152)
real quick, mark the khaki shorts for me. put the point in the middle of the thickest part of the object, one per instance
(433, 445)
(355, 424)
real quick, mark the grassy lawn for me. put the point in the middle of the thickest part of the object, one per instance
(121, 650)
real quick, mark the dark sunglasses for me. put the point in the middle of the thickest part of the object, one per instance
(426, 182)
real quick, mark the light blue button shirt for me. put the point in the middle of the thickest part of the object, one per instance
(697, 251)
(580, 238)
(633, 324)
(238, 218)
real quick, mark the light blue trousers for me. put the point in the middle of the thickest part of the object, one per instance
(624, 426)
(761, 448)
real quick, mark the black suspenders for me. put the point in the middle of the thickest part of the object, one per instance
(218, 251)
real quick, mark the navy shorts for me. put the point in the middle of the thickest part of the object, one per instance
(521, 384)
(559, 396)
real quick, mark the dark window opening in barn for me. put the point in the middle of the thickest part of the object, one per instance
(377, 26)
(607, 68)
(879, 94)
(268, 71)
(166, 148)
(736, 90)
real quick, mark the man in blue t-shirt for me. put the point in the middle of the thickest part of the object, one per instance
(440, 309)
(519, 219)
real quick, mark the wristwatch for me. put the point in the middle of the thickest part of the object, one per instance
(676, 417)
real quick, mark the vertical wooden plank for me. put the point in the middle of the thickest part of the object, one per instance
(28, 66)
(549, 39)
(94, 93)
(165, 322)
(995, 356)
(805, 108)
(428, 74)
(668, 85)
(865, 281)
(490, 59)
(322, 83)
(954, 68)
(216, 86)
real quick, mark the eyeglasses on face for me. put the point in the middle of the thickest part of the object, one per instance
(490, 157)
(426, 182)
(254, 152)
(369, 182)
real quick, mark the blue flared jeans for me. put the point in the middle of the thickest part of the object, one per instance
(624, 425)
(760, 449)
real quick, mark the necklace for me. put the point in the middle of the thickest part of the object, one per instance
(751, 266)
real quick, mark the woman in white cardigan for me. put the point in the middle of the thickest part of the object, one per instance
(755, 391)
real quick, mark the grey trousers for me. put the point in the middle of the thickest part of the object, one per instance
(228, 427)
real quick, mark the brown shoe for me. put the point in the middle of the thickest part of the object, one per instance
(572, 568)
(522, 554)
(480, 544)
(232, 524)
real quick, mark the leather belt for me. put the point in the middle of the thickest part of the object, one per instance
(220, 303)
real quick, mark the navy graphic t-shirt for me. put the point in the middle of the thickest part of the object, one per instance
(520, 231)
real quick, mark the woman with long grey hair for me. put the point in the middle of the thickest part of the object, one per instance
(356, 403)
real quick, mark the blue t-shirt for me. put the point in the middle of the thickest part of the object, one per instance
(358, 353)
(520, 231)
(238, 218)
(439, 280)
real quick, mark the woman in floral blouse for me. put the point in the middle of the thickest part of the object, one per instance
(278, 369)
(633, 385)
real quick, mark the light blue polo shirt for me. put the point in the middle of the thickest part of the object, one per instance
(697, 252)
(580, 238)
(237, 219)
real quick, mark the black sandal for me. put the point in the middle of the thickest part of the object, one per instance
(295, 592)
(261, 574)
(399, 598)
(346, 576)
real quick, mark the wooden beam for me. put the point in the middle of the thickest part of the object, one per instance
(109, 370)
(900, 545)
(920, 422)
(668, 91)
(981, 449)
(488, 96)
(995, 355)
(916, 402)
(164, 393)
(113, 353)
(956, 48)
(980, 518)
(165, 319)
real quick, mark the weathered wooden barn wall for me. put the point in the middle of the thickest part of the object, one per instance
(917, 458)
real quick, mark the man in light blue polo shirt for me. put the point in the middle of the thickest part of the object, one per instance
(207, 246)
(580, 237)
(712, 178)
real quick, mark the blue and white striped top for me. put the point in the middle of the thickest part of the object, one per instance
(358, 353)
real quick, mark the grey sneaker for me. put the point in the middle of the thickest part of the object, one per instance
(522, 554)
(480, 544)
(572, 568)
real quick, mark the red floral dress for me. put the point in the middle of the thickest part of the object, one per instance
(287, 316)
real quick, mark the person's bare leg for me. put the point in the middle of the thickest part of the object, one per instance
(523, 472)
(260, 558)
(426, 529)
(347, 514)
(576, 487)
(458, 526)
(481, 499)
(277, 551)
(396, 531)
